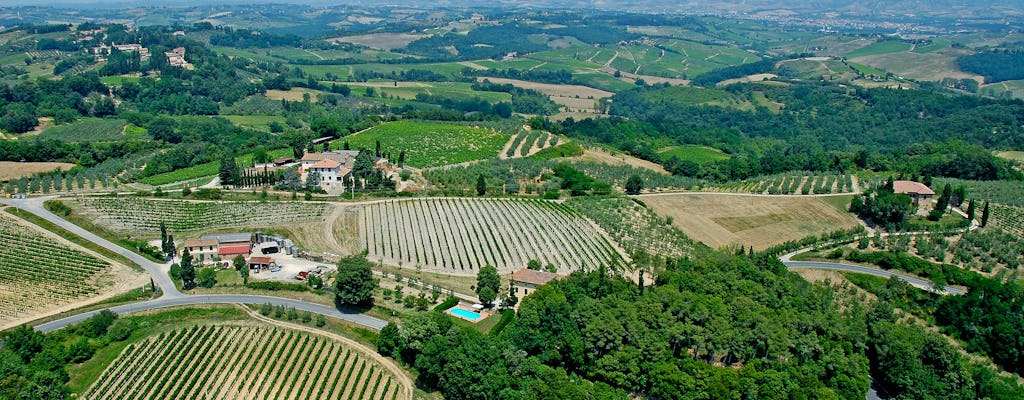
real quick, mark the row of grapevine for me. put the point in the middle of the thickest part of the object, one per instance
(37, 271)
(180, 215)
(1007, 217)
(635, 227)
(243, 362)
(460, 235)
(522, 144)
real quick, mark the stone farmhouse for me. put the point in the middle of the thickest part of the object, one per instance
(526, 281)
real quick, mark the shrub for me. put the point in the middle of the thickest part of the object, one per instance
(277, 286)
(448, 303)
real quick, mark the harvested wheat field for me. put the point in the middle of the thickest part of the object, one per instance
(14, 170)
(760, 221)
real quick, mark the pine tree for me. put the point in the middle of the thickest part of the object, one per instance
(984, 215)
(188, 271)
(481, 185)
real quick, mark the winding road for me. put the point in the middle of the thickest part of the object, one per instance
(171, 295)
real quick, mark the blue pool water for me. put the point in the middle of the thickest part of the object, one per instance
(465, 314)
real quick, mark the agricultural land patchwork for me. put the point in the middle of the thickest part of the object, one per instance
(132, 214)
(429, 144)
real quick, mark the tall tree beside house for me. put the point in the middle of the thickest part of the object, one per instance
(984, 215)
(941, 204)
(238, 262)
(970, 210)
(354, 284)
(229, 172)
(401, 159)
(163, 238)
(487, 284)
(481, 185)
(377, 151)
(171, 248)
(188, 271)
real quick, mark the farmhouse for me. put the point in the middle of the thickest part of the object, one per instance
(332, 167)
(526, 280)
(917, 191)
(201, 250)
(176, 58)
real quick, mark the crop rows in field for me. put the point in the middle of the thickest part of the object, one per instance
(428, 144)
(987, 249)
(635, 227)
(525, 141)
(179, 215)
(243, 362)
(37, 271)
(1003, 192)
(461, 235)
(789, 184)
(1009, 218)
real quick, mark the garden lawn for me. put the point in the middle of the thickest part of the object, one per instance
(428, 144)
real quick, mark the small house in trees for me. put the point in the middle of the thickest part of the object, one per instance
(526, 281)
(916, 190)
(203, 251)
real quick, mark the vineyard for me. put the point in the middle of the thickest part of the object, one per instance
(428, 144)
(134, 214)
(1003, 192)
(1009, 218)
(635, 227)
(461, 235)
(38, 272)
(530, 142)
(243, 362)
(800, 183)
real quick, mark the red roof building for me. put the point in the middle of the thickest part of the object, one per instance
(912, 188)
(233, 250)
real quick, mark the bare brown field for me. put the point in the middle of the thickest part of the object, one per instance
(576, 97)
(605, 157)
(920, 66)
(291, 95)
(14, 170)
(382, 41)
(748, 78)
(760, 221)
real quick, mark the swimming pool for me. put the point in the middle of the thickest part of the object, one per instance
(472, 316)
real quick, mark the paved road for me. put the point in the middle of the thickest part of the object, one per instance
(917, 282)
(171, 295)
(164, 302)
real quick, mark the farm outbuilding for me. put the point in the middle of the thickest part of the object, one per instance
(257, 262)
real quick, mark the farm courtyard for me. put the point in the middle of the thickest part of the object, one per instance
(721, 220)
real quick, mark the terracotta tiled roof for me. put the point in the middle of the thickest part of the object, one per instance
(199, 243)
(911, 187)
(533, 277)
(261, 260)
(326, 164)
(232, 250)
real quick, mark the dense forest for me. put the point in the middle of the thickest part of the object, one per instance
(995, 65)
(710, 328)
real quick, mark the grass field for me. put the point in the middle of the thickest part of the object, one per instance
(720, 220)
(429, 144)
(883, 47)
(14, 170)
(1012, 155)
(258, 122)
(87, 130)
(691, 152)
(1015, 89)
(246, 360)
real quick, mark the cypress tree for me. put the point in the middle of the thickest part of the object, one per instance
(970, 210)
(984, 215)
